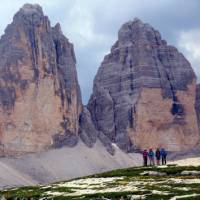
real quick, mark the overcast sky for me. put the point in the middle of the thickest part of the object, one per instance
(92, 26)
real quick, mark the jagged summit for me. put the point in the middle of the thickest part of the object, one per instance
(57, 28)
(31, 15)
(136, 31)
(134, 21)
(31, 8)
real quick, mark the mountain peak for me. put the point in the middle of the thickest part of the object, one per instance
(31, 8)
(137, 30)
(57, 28)
(137, 20)
(29, 12)
(132, 24)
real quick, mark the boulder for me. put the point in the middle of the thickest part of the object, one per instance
(153, 173)
(193, 173)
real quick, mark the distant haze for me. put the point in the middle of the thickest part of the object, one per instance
(92, 26)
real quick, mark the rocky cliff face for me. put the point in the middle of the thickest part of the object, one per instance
(89, 134)
(144, 93)
(40, 99)
(197, 105)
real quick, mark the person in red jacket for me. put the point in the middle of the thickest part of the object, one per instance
(145, 157)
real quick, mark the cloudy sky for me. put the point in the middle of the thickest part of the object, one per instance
(92, 26)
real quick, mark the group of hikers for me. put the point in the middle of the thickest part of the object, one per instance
(151, 155)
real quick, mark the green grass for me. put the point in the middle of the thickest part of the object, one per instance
(145, 185)
(170, 170)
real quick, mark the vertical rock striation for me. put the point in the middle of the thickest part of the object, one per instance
(40, 98)
(197, 105)
(144, 93)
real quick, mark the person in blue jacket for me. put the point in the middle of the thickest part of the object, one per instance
(151, 155)
(163, 154)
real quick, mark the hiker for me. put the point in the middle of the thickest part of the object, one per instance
(145, 157)
(163, 154)
(151, 157)
(158, 156)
